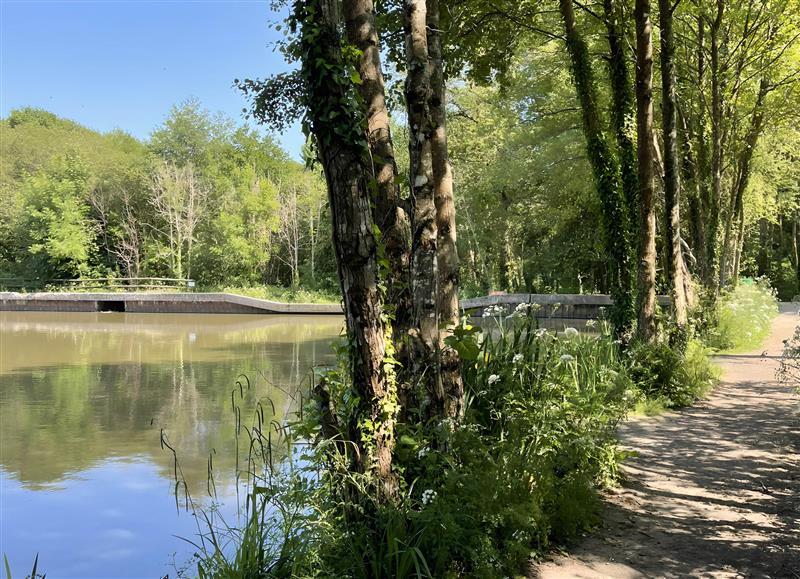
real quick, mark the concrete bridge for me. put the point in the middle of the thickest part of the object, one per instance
(560, 306)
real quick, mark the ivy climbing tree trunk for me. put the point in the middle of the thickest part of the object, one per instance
(389, 212)
(424, 259)
(712, 272)
(646, 329)
(343, 153)
(452, 402)
(622, 110)
(672, 177)
(605, 169)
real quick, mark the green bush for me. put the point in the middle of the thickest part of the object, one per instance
(743, 316)
(667, 378)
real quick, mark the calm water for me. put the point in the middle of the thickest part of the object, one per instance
(83, 399)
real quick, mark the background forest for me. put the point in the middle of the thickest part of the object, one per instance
(210, 199)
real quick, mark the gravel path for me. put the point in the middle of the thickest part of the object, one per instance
(714, 490)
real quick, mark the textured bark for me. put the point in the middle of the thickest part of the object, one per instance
(716, 151)
(672, 177)
(646, 329)
(622, 109)
(605, 170)
(424, 264)
(389, 214)
(347, 176)
(452, 402)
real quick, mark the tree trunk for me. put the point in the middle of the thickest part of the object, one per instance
(452, 403)
(622, 110)
(646, 329)
(672, 177)
(424, 264)
(716, 152)
(606, 174)
(347, 176)
(389, 213)
(742, 176)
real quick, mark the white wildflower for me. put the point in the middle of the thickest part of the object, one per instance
(423, 452)
(570, 332)
(591, 323)
(428, 496)
(517, 358)
(567, 358)
(540, 333)
(493, 378)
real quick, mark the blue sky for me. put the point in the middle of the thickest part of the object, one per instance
(124, 64)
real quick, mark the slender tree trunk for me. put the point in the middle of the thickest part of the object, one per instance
(672, 176)
(716, 150)
(452, 402)
(646, 329)
(424, 263)
(742, 176)
(622, 109)
(347, 175)
(606, 175)
(389, 213)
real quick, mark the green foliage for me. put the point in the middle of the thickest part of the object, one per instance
(79, 203)
(743, 316)
(478, 496)
(59, 238)
(668, 378)
(281, 294)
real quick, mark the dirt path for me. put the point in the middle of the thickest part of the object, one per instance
(714, 490)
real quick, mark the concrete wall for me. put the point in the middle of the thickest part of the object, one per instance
(566, 306)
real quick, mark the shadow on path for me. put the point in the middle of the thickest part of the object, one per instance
(714, 490)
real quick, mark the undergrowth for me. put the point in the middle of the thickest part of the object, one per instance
(744, 316)
(282, 294)
(478, 496)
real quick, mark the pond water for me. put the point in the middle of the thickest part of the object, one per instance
(84, 481)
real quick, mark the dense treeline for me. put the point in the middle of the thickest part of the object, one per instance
(202, 198)
(529, 214)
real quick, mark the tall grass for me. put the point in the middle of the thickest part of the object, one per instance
(744, 316)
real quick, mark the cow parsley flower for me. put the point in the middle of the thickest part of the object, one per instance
(517, 358)
(493, 378)
(570, 332)
(428, 496)
(567, 358)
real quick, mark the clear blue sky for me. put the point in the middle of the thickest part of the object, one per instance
(123, 64)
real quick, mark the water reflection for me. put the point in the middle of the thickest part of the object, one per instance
(83, 399)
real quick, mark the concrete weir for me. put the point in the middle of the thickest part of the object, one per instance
(155, 303)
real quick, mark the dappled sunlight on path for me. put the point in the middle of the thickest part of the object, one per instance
(714, 490)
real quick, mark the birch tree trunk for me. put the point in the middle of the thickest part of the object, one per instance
(646, 329)
(424, 263)
(672, 177)
(452, 401)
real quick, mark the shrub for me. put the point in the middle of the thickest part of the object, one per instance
(668, 378)
(743, 316)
